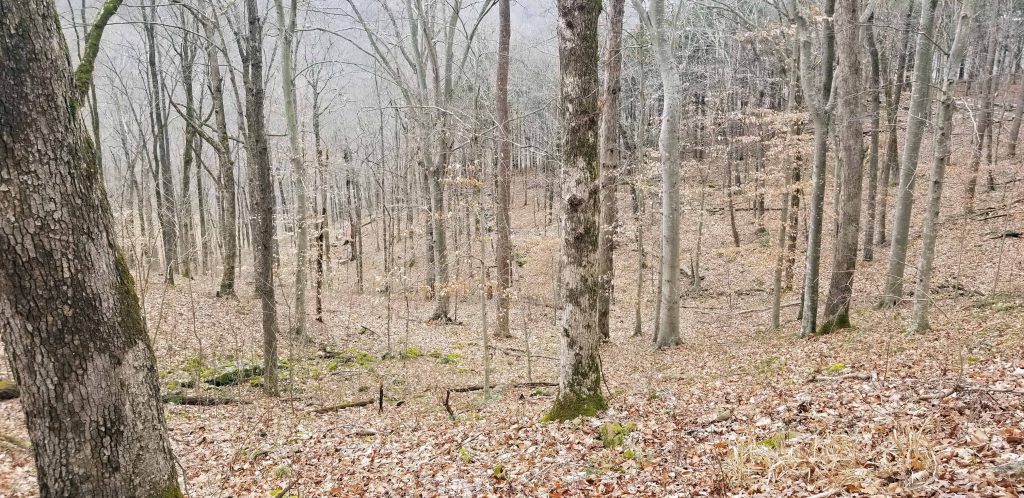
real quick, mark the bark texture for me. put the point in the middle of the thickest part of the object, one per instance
(611, 157)
(263, 196)
(579, 383)
(503, 177)
(943, 149)
(69, 315)
(851, 141)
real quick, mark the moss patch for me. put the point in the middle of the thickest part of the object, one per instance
(570, 407)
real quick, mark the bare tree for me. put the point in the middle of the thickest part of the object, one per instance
(263, 192)
(920, 105)
(947, 107)
(503, 176)
(664, 37)
(611, 156)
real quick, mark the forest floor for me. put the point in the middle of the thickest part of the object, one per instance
(735, 410)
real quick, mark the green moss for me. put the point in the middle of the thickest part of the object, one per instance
(499, 472)
(570, 407)
(840, 322)
(171, 491)
(613, 434)
(778, 439)
(412, 352)
(837, 367)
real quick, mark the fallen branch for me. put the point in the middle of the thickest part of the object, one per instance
(479, 387)
(854, 375)
(940, 395)
(342, 406)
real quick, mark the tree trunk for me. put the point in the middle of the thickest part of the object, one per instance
(663, 41)
(610, 160)
(919, 111)
(817, 100)
(262, 195)
(188, 158)
(163, 181)
(874, 106)
(983, 123)
(851, 140)
(287, 26)
(893, 97)
(1018, 114)
(71, 322)
(503, 178)
(919, 318)
(579, 386)
(225, 165)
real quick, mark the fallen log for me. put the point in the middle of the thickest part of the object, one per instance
(342, 406)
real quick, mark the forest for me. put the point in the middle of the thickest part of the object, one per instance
(334, 248)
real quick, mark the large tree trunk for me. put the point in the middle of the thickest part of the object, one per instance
(503, 177)
(851, 141)
(610, 159)
(69, 316)
(943, 138)
(579, 383)
(287, 25)
(262, 195)
(919, 110)
(226, 167)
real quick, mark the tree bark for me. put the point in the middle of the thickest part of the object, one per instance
(919, 317)
(851, 140)
(893, 97)
(225, 165)
(287, 26)
(919, 111)
(579, 386)
(819, 104)
(611, 155)
(503, 177)
(262, 195)
(163, 181)
(69, 315)
(983, 122)
(874, 109)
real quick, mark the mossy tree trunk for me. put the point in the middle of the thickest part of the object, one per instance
(580, 371)
(70, 320)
